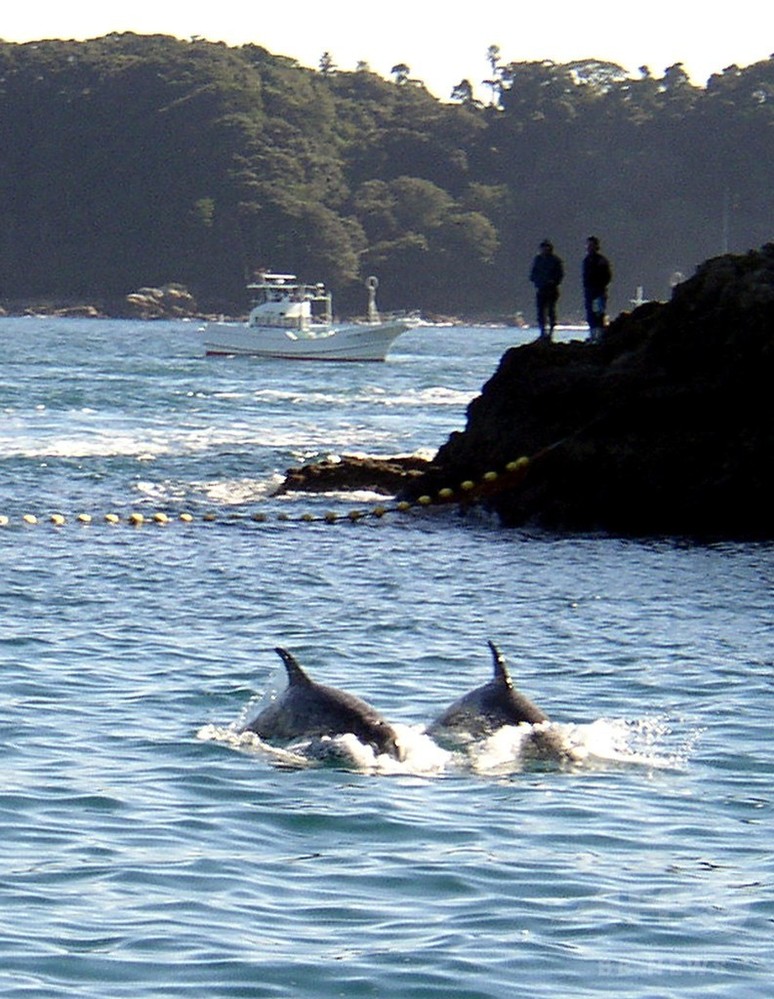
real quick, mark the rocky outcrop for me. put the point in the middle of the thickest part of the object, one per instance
(171, 301)
(664, 427)
(379, 475)
(77, 312)
(58, 311)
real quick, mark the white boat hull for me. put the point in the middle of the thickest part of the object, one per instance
(366, 342)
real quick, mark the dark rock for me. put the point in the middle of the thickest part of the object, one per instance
(380, 475)
(664, 427)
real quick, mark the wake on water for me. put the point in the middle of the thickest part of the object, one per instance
(511, 749)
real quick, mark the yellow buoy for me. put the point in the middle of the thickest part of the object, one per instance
(445, 493)
(84, 518)
(160, 518)
(403, 506)
(187, 518)
(30, 518)
(425, 500)
(112, 518)
(490, 476)
(330, 517)
(379, 511)
(355, 515)
(515, 466)
(136, 519)
(58, 519)
(259, 518)
(467, 485)
(3, 520)
(307, 517)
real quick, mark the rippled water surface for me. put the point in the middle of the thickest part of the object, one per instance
(147, 851)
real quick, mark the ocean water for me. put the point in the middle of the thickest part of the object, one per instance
(146, 850)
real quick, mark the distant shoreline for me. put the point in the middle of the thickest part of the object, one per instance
(53, 309)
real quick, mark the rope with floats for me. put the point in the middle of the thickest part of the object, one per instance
(467, 493)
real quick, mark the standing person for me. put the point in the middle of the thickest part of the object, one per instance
(596, 277)
(546, 275)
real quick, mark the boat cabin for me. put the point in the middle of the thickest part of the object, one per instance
(281, 301)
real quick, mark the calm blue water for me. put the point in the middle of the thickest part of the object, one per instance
(145, 851)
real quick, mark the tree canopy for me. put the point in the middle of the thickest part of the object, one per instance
(131, 160)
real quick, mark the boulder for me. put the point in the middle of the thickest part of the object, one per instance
(170, 301)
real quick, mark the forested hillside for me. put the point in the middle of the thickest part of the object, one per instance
(134, 160)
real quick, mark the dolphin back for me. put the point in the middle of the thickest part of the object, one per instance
(309, 709)
(485, 709)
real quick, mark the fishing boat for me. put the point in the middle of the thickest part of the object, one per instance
(294, 321)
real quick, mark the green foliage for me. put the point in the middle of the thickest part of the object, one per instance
(132, 160)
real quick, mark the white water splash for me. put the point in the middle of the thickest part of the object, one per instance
(512, 749)
(223, 492)
(422, 755)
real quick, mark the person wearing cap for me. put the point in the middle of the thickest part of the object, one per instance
(546, 275)
(596, 277)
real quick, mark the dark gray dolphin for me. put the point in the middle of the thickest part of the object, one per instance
(306, 709)
(482, 711)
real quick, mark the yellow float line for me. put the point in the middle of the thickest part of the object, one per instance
(137, 519)
(466, 493)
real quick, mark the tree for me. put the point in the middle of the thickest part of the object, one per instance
(494, 82)
(130, 160)
(419, 204)
(493, 57)
(463, 93)
(400, 73)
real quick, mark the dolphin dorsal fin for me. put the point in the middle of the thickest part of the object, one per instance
(296, 675)
(500, 666)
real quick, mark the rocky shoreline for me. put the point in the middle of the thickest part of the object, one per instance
(665, 427)
(169, 301)
(174, 301)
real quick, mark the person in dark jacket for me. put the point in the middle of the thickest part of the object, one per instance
(546, 275)
(596, 277)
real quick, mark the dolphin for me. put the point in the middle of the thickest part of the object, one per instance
(306, 709)
(482, 711)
